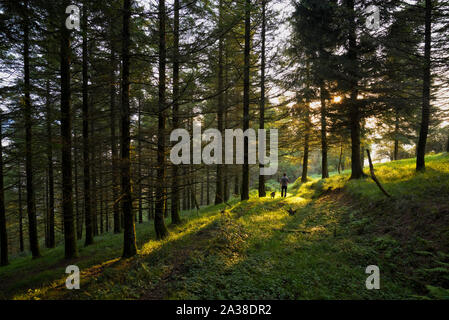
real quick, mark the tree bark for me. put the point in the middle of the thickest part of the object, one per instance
(220, 105)
(159, 223)
(396, 139)
(114, 155)
(86, 145)
(175, 217)
(373, 176)
(139, 164)
(207, 186)
(78, 213)
(323, 111)
(340, 158)
(305, 161)
(21, 242)
(31, 201)
(425, 115)
(3, 235)
(66, 137)
(246, 84)
(51, 191)
(129, 236)
(354, 111)
(93, 172)
(262, 191)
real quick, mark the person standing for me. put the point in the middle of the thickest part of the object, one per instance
(284, 184)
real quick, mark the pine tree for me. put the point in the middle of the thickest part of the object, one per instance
(129, 236)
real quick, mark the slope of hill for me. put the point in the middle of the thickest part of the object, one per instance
(256, 250)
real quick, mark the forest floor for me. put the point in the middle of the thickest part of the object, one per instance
(256, 250)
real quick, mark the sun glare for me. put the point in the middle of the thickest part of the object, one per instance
(338, 99)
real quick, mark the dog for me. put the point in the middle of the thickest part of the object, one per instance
(273, 194)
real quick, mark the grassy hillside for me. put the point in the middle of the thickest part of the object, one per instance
(256, 250)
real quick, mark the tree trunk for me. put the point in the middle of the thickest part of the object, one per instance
(236, 182)
(66, 137)
(246, 83)
(51, 191)
(114, 156)
(340, 158)
(262, 191)
(86, 148)
(207, 186)
(21, 242)
(31, 201)
(3, 234)
(354, 111)
(425, 116)
(323, 111)
(356, 159)
(78, 213)
(220, 105)
(139, 164)
(129, 236)
(101, 196)
(93, 176)
(175, 218)
(305, 161)
(159, 223)
(202, 192)
(396, 139)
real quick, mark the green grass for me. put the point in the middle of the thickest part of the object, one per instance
(255, 250)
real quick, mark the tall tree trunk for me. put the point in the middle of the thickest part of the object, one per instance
(31, 201)
(362, 144)
(93, 168)
(323, 111)
(21, 242)
(139, 164)
(114, 156)
(66, 137)
(225, 168)
(202, 192)
(354, 111)
(47, 213)
(340, 158)
(425, 116)
(86, 148)
(51, 192)
(150, 196)
(236, 182)
(159, 223)
(175, 218)
(305, 162)
(262, 191)
(129, 236)
(246, 83)
(3, 234)
(101, 197)
(396, 138)
(78, 213)
(220, 105)
(207, 186)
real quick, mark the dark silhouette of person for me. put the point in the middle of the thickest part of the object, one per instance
(284, 184)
